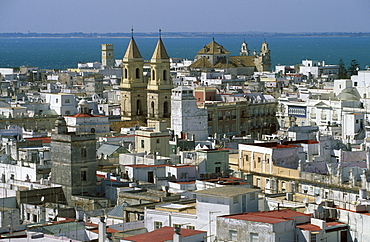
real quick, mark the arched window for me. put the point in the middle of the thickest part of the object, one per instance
(137, 72)
(126, 75)
(92, 130)
(164, 75)
(138, 107)
(152, 108)
(165, 110)
(153, 74)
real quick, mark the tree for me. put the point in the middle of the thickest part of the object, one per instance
(353, 68)
(342, 70)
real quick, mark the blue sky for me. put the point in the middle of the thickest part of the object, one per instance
(103, 16)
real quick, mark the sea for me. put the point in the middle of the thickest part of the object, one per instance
(63, 53)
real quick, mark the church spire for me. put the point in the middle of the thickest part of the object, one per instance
(160, 51)
(132, 49)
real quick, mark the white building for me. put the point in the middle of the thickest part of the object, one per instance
(210, 203)
(84, 122)
(186, 117)
(63, 104)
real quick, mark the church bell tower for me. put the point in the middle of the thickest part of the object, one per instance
(159, 84)
(133, 85)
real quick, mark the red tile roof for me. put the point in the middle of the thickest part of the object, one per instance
(309, 227)
(162, 234)
(85, 115)
(328, 224)
(43, 139)
(270, 217)
(146, 166)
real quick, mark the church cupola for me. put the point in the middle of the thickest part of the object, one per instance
(265, 48)
(83, 106)
(244, 51)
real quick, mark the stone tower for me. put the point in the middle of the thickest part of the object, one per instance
(73, 161)
(133, 85)
(159, 85)
(186, 117)
(263, 61)
(107, 55)
(244, 51)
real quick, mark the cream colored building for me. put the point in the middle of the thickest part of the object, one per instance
(153, 141)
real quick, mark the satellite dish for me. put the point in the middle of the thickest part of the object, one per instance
(318, 200)
(304, 200)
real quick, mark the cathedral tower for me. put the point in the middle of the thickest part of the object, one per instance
(159, 84)
(133, 85)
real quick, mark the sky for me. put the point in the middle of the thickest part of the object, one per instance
(113, 16)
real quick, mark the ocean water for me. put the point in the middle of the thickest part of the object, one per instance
(61, 53)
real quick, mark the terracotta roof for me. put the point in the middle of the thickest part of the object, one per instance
(146, 166)
(85, 115)
(43, 139)
(213, 48)
(162, 234)
(160, 51)
(132, 50)
(271, 217)
(309, 227)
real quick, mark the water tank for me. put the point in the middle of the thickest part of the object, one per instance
(362, 193)
(289, 196)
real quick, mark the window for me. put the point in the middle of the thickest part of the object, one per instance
(157, 225)
(28, 216)
(246, 157)
(153, 74)
(34, 218)
(233, 235)
(126, 76)
(355, 84)
(254, 237)
(137, 72)
(83, 153)
(56, 100)
(283, 186)
(142, 143)
(259, 159)
(235, 200)
(83, 175)
(68, 112)
(177, 226)
(313, 237)
(190, 227)
(157, 141)
(164, 75)
(67, 100)
(252, 196)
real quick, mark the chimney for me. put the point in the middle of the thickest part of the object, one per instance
(102, 230)
(177, 237)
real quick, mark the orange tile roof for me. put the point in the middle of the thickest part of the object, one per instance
(271, 217)
(43, 139)
(309, 227)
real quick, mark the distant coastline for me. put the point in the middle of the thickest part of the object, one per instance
(183, 35)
